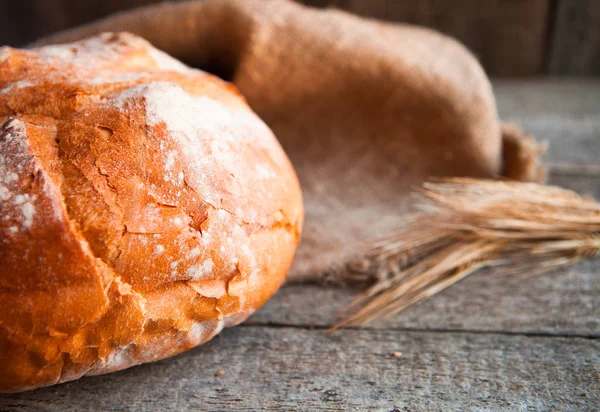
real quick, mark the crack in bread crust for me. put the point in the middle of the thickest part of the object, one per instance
(169, 222)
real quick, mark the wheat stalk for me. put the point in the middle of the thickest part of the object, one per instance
(464, 225)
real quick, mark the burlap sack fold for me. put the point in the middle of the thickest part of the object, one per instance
(364, 109)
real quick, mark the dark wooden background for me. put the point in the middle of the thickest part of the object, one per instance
(510, 37)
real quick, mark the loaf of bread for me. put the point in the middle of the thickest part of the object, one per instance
(143, 207)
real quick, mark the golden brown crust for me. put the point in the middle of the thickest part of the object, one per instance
(143, 207)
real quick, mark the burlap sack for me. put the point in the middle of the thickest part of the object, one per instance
(364, 109)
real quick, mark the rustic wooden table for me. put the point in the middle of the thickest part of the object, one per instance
(490, 342)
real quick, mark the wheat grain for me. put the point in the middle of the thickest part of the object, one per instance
(465, 225)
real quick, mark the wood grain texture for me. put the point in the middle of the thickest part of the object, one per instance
(575, 48)
(560, 304)
(568, 97)
(299, 369)
(563, 112)
(508, 37)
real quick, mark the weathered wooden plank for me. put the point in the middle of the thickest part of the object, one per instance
(299, 369)
(563, 112)
(543, 96)
(559, 303)
(572, 140)
(587, 185)
(555, 304)
(575, 47)
(508, 38)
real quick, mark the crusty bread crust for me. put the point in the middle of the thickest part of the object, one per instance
(143, 207)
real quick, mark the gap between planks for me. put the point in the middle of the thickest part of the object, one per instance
(325, 328)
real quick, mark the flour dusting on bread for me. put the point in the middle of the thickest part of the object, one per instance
(166, 209)
(15, 155)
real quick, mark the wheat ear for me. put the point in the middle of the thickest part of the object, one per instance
(464, 225)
